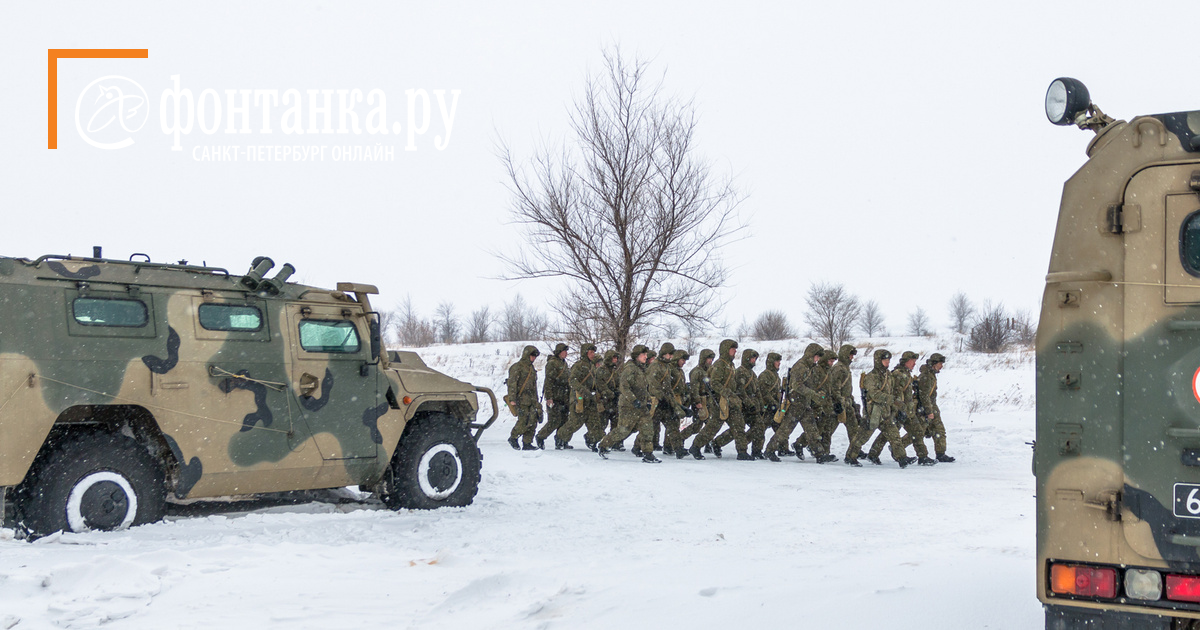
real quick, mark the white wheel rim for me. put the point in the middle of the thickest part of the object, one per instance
(75, 518)
(423, 472)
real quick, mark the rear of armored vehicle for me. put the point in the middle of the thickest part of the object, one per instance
(1117, 456)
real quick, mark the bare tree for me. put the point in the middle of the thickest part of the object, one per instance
(387, 326)
(479, 325)
(446, 323)
(411, 330)
(918, 323)
(870, 322)
(961, 312)
(771, 326)
(991, 331)
(522, 322)
(1024, 328)
(832, 312)
(626, 211)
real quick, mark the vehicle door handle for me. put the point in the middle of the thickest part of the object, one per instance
(308, 384)
(1177, 432)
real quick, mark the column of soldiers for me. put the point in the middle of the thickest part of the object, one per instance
(718, 403)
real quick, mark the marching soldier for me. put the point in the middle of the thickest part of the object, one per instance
(881, 411)
(522, 399)
(729, 405)
(556, 390)
(797, 406)
(682, 397)
(747, 381)
(606, 401)
(663, 408)
(827, 418)
(820, 408)
(634, 405)
(584, 398)
(768, 386)
(927, 399)
(905, 411)
(700, 393)
(843, 402)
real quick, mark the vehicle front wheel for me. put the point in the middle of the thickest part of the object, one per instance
(436, 465)
(91, 481)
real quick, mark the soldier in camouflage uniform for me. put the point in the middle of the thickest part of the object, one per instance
(522, 399)
(584, 398)
(881, 411)
(906, 411)
(827, 419)
(634, 405)
(927, 400)
(820, 409)
(556, 391)
(665, 411)
(606, 396)
(699, 393)
(682, 396)
(747, 383)
(798, 410)
(769, 389)
(844, 403)
(729, 405)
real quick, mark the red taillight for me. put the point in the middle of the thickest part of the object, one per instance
(1183, 588)
(1069, 579)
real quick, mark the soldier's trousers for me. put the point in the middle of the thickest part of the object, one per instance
(756, 432)
(628, 421)
(693, 428)
(556, 417)
(850, 421)
(812, 435)
(887, 433)
(665, 416)
(828, 423)
(938, 431)
(527, 420)
(736, 432)
(914, 434)
(577, 419)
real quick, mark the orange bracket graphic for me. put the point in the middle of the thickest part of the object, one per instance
(54, 54)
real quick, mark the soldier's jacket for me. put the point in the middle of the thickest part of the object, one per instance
(557, 385)
(679, 386)
(635, 391)
(768, 387)
(927, 390)
(606, 376)
(821, 383)
(747, 383)
(842, 382)
(660, 382)
(697, 387)
(877, 388)
(799, 392)
(522, 380)
(902, 380)
(583, 379)
(720, 376)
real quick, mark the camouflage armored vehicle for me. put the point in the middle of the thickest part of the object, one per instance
(123, 383)
(1117, 456)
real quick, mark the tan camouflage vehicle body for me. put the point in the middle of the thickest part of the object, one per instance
(1117, 456)
(123, 382)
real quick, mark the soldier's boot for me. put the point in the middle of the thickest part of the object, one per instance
(513, 443)
(825, 459)
(786, 452)
(716, 451)
(649, 458)
(588, 443)
(799, 450)
(861, 453)
(853, 462)
(771, 455)
(874, 459)
(708, 449)
(667, 450)
(681, 453)
(557, 443)
(619, 447)
(743, 456)
(529, 447)
(541, 442)
(635, 451)
(757, 454)
(567, 446)
(942, 457)
(695, 451)
(603, 452)
(903, 463)
(925, 461)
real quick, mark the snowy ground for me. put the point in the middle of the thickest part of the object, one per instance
(563, 539)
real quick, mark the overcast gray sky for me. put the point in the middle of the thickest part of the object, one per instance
(899, 148)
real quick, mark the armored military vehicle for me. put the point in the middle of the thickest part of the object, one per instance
(1117, 456)
(124, 383)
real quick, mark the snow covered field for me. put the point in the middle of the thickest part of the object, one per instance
(563, 539)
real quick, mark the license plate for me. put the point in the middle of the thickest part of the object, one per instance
(1187, 500)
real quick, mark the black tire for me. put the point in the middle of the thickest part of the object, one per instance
(436, 465)
(91, 480)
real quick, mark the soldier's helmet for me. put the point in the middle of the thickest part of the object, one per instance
(772, 357)
(936, 357)
(666, 348)
(638, 349)
(908, 354)
(682, 355)
(560, 348)
(583, 350)
(882, 354)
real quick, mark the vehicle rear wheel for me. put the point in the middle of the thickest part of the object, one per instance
(91, 481)
(436, 465)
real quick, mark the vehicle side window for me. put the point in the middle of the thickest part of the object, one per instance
(231, 317)
(110, 312)
(1189, 243)
(320, 335)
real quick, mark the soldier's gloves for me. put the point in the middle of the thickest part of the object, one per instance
(837, 407)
